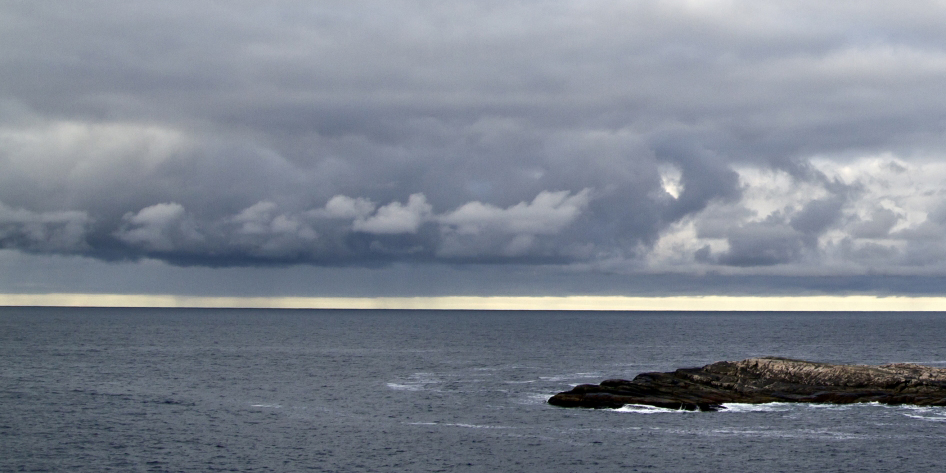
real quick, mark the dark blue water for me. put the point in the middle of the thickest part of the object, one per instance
(270, 390)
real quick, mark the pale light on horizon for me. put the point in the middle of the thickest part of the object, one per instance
(572, 303)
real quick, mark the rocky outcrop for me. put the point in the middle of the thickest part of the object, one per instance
(763, 380)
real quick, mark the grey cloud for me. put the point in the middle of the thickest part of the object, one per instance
(350, 231)
(57, 232)
(783, 237)
(879, 226)
(930, 230)
(264, 231)
(716, 222)
(109, 169)
(367, 131)
(259, 232)
(817, 216)
(937, 214)
(352, 69)
(870, 253)
(705, 175)
(762, 244)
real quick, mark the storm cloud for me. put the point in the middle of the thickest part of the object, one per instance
(789, 139)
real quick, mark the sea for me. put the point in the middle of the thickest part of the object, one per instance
(111, 389)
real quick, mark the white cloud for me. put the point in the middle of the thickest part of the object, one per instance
(342, 206)
(889, 214)
(84, 152)
(396, 217)
(547, 214)
(261, 230)
(256, 219)
(161, 227)
(264, 218)
(481, 229)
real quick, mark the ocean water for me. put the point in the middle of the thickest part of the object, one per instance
(322, 390)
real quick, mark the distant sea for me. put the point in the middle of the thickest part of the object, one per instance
(362, 390)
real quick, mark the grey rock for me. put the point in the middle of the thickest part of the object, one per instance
(764, 380)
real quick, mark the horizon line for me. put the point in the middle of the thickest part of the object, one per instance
(822, 303)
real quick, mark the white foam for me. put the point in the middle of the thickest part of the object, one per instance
(267, 406)
(465, 426)
(927, 418)
(569, 377)
(912, 407)
(830, 407)
(642, 409)
(744, 407)
(820, 434)
(406, 387)
(925, 413)
(415, 382)
(555, 379)
(476, 426)
(534, 398)
(729, 407)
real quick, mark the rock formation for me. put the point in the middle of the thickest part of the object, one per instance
(762, 380)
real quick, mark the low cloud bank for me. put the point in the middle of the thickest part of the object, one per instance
(347, 231)
(858, 217)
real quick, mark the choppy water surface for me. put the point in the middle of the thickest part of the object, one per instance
(269, 390)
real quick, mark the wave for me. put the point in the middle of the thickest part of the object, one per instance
(466, 426)
(925, 413)
(571, 377)
(643, 409)
(739, 407)
(415, 382)
(405, 387)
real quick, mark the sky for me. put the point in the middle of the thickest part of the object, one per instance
(414, 148)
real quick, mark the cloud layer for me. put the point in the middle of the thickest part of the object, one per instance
(680, 137)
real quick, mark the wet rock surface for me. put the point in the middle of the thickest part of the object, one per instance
(763, 380)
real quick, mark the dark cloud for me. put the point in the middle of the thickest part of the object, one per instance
(816, 217)
(879, 226)
(610, 136)
(56, 232)
(763, 244)
(704, 174)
